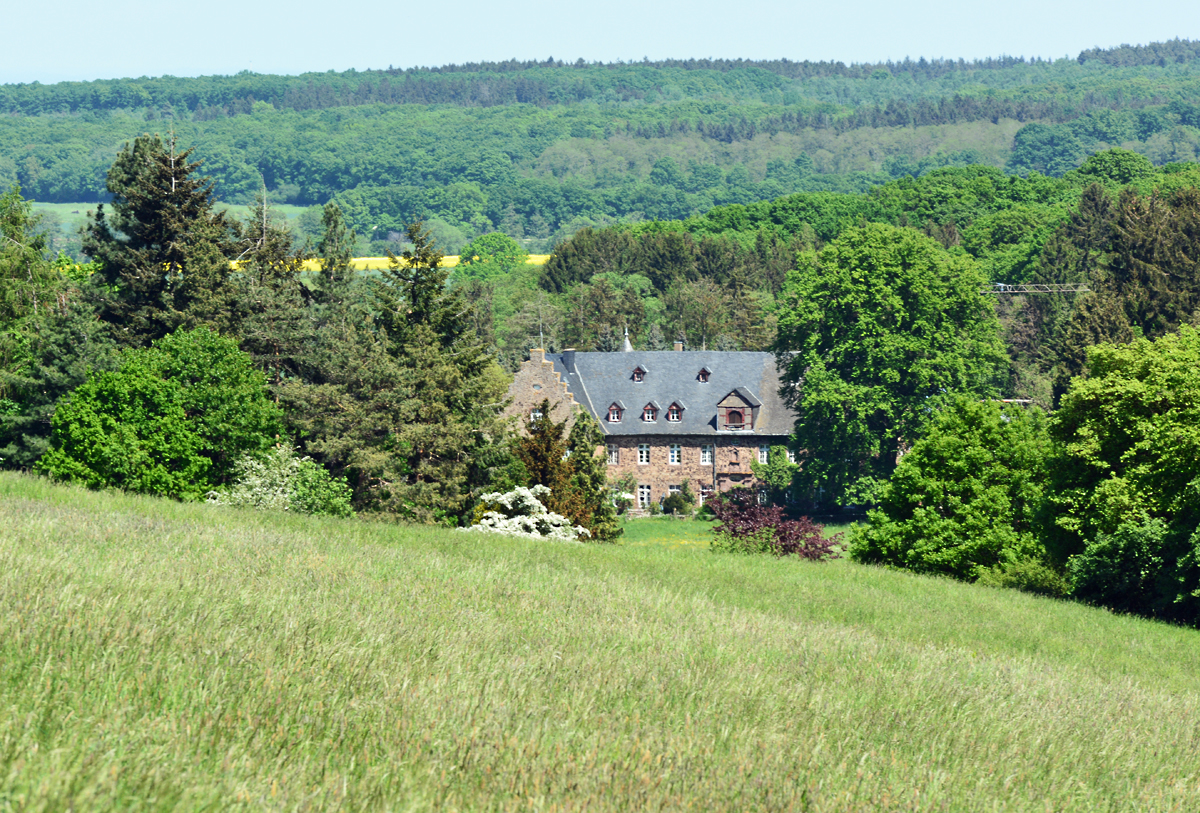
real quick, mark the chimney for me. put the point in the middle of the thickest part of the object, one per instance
(537, 354)
(678, 347)
(568, 356)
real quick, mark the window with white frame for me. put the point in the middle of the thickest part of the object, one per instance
(674, 413)
(643, 496)
(649, 414)
(614, 454)
(791, 456)
(674, 490)
(614, 414)
(676, 453)
(706, 491)
(643, 453)
(706, 455)
(764, 454)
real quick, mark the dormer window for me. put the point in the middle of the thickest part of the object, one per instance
(649, 413)
(735, 420)
(614, 413)
(639, 375)
(674, 413)
(702, 376)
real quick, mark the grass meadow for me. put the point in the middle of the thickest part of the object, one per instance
(157, 655)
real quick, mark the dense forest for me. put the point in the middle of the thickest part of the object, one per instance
(539, 150)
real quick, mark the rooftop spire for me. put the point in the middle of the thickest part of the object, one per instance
(628, 348)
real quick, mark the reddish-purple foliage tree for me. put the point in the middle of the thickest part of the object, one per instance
(746, 525)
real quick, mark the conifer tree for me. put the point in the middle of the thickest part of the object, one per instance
(335, 251)
(164, 249)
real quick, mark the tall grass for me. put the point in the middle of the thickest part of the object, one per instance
(155, 655)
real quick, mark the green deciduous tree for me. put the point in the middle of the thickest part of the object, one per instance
(490, 256)
(1122, 500)
(875, 330)
(173, 419)
(964, 499)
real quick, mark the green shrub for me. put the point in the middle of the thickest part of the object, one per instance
(963, 500)
(281, 481)
(1029, 576)
(128, 429)
(171, 420)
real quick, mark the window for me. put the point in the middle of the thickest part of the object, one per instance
(705, 493)
(674, 413)
(649, 414)
(614, 454)
(762, 497)
(644, 453)
(643, 496)
(535, 415)
(674, 490)
(702, 376)
(764, 454)
(706, 457)
(614, 414)
(791, 456)
(734, 420)
(639, 375)
(676, 453)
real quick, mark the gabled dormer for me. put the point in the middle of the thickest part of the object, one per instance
(675, 412)
(738, 411)
(703, 375)
(639, 374)
(616, 410)
(650, 412)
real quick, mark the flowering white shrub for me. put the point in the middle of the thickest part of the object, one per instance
(282, 481)
(521, 513)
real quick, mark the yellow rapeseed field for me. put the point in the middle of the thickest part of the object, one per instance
(379, 263)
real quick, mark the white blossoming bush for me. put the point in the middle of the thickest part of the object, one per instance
(521, 513)
(283, 481)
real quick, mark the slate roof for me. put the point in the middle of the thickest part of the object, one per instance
(602, 379)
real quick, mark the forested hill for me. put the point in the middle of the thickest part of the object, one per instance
(541, 149)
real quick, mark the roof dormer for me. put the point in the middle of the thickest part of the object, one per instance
(650, 412)
(738, 410)
(615, 412)
(639, 374)
(675, 412)
(703, 375)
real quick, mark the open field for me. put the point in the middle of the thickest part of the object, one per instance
(155, 655)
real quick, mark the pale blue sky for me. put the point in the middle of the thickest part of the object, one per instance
(72, 39)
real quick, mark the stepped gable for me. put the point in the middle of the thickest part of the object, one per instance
(535, 380)
(599, 380)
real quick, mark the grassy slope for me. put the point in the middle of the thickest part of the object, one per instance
(157, 655)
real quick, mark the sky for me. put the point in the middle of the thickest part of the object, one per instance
(75, 40)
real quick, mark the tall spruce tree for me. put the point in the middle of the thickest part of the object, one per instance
(164, 248)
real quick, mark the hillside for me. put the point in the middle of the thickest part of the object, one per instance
(540, 150)
(161, 655)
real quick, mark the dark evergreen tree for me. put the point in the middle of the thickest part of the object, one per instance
(164, 248)
(335, 252)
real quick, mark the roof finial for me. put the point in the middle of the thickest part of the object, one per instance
(628, 348)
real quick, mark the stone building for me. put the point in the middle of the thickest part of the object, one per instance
(670, 417)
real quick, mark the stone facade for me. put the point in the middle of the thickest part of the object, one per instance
(707, 465)
(535, 381)
(728, 413)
